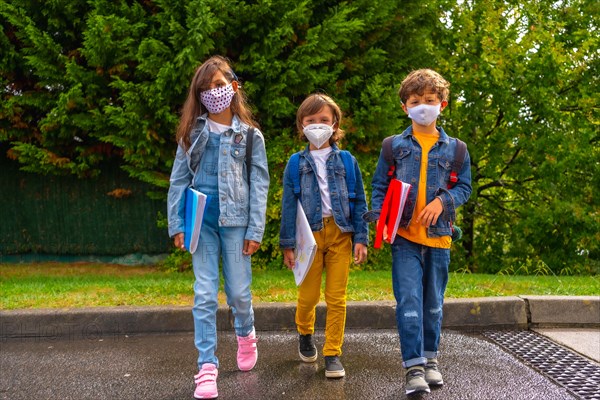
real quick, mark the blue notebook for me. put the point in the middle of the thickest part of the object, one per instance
(195, 204)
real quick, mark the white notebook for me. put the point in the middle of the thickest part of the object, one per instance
(306, 246)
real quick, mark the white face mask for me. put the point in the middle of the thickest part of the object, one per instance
(424, 114)
(318, 134)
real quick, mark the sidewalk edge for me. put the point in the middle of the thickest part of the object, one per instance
(472, 314)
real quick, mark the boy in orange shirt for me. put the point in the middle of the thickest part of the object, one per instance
(423, 156)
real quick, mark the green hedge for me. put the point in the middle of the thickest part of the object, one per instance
(61, 215)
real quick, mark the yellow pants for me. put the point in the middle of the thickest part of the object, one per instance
(333, 255)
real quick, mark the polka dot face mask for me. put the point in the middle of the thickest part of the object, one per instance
(218, 99)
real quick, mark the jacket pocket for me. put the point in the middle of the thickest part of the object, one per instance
(209, 161)
(402, 162)
(443, 171)
(342, 189)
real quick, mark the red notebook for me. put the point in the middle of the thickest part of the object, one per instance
(391, 211)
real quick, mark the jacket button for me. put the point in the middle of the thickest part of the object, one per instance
(224, 151)
(224, 174)
(236, 152)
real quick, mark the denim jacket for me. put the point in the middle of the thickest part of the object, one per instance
(240, 204)
(407, 157)
(311, 199)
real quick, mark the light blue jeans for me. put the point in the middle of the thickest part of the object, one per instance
(216, 243)
(419, 278)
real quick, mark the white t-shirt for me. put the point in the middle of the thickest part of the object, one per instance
(216, 127)
(320, 156)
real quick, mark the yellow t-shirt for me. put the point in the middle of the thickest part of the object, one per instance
(417, 233)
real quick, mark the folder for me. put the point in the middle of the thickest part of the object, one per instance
(306, 246)
(195, 204)
(391, 211)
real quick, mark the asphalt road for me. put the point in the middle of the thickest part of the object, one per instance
(161, 366)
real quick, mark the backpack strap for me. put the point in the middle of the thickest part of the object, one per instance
(350, 178)
(294, 168)
(457, 163)
(386, 147)
(249, 140)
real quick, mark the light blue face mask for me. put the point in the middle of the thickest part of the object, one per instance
(424, 114)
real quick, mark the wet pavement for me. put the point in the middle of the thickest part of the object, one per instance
(161, 366)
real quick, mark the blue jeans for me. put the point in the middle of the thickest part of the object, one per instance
(226, 243)
(419, 278)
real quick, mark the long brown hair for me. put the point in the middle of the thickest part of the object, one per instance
(193, 108)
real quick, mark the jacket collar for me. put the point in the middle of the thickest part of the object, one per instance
(443, 136)
(306, 150)
(236, 124)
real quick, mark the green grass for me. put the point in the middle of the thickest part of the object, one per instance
(56, 285)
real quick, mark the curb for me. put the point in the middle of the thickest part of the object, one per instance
(473, 314)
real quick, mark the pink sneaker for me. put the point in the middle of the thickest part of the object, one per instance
(247, 353)
(206, 382)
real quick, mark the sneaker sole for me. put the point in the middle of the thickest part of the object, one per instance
(247, 368)
(207, 397)
(435, 383)
(308, 359)
(418, 391)
(335, 374)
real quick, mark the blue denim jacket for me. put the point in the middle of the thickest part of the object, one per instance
(311, 199)
(407, 156)
(240, 204)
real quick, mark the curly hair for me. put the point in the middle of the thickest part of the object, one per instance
(421, 80)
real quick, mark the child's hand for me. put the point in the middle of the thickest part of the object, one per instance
(360, 253)
(288, 258)
(179, 241)
(429, 215)
(250, 247)
(385, 232)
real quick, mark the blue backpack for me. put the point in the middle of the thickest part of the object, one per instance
(294, 167)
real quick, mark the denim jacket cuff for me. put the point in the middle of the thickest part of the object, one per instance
(176, 227)
(447, 203)
(361, 238)
(254, 234)
(287, 243)
(371, 216)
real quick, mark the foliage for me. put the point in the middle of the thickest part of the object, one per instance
(87, 82)
(177, 261)
(524, 99)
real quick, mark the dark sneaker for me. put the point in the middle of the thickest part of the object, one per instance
(307, 349)
(415, 380)
(333, 367)
(432, 374)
